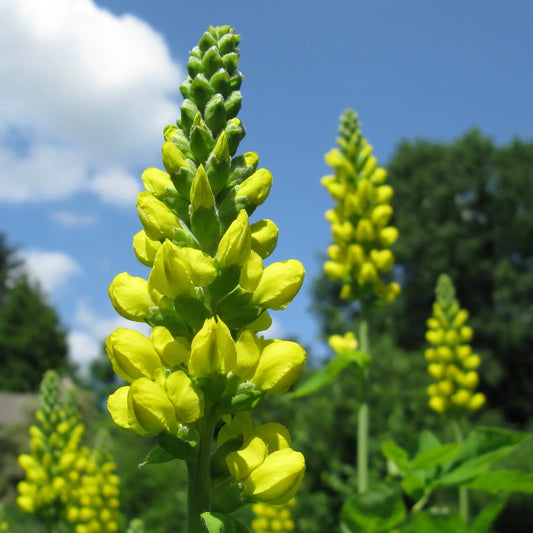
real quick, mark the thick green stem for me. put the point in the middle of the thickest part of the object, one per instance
(363, 415)
(464, 506)
(199, 487)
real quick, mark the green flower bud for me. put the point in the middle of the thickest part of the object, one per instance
(235, 246)
(257, 187)
(235, 132)
(201, 139)
(157, 219)
(173, 159)
(215, 114)
(211, 61)
(201, 193)
(201, 91)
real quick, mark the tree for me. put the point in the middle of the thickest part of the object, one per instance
(465, 209)
(31, 337)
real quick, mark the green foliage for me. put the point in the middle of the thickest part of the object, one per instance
(465, 208)
(31, 337)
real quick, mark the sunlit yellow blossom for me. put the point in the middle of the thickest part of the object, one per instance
(452, 363)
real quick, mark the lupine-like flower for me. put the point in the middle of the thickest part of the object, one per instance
(273, 518)
(360, 256)
(343, 343)
(452, 363)
(266, 467)
(208, 292)
(66, 482)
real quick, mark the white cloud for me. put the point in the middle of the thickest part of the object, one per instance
(72, 219)
(84, 89)
(90, 331)
(116, 187)
(52, 270)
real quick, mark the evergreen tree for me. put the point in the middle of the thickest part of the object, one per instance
(31, 337)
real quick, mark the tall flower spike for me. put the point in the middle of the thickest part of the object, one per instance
(208, 292)
(360, 257)
(451, 362)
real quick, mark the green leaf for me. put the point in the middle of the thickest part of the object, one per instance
(156, 456)
(482, 447)
(223, 523)
(396, 454)
(424, 522)
(380, 508)
(414, 485)
(327, 373)
(503, 480)
(484, 520)
(434, 456)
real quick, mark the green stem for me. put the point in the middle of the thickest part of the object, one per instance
(199, 477)
(363, 415)
(464, 506)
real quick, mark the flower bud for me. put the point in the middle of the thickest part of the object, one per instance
(145, 248)
(279, 284)
(257, 187)
(248, 354)
(157, 182)
(173, 158)
(130, 297)
(172, 351)
(201, 193)
(212, 350)
(279, 366)
(131, 354)
(264, 237)
(251, 272)
(157, 219)
(381, 215)
(277, 479)
(235, 245)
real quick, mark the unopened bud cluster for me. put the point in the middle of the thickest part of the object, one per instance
(360, 256)
(64, 481)
(451, 361)
(273, 518)
(208, 291)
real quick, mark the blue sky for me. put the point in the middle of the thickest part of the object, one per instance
(87, 88)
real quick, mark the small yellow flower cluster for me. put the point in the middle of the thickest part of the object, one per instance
(208, 292)
(93, 502)
(452, 363)
(265, 465)
(343, 343)
(65, 481)
(360, 255)
(273, 518)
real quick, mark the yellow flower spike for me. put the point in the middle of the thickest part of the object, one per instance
(248, 354)
(131, 354)
(185, 396)
(150, 408)
(130, 298)
(157, 219)
(279, 284)
(213, 350)
(257, 187)
(169, 276)
(201, 193)
(157, 182)
(251, 272)
(173, 158)
(242, 462)
(172, 351)
(343, 343)
(264, 235)
(235, 245)
(145, 248)
(279, 366)
(277, 479)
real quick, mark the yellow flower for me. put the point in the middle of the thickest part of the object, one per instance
(157, 219)
(130, 297)
(235, 245)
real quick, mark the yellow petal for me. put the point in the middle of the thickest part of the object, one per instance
(277, 479)
(200, 266)
(275, 436)
(145, 248)
(130, 298)
(172, 351)
(173, 159)
(201, 193)
(157, 219)
(248, 354)
(251, 272)
(257, 187)
(117, 405)
(279, 366)
(242, 462)
(185, 396)
(279, 284)
(264, 237)
(131, 354)
(239, 425)
(157, 182)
